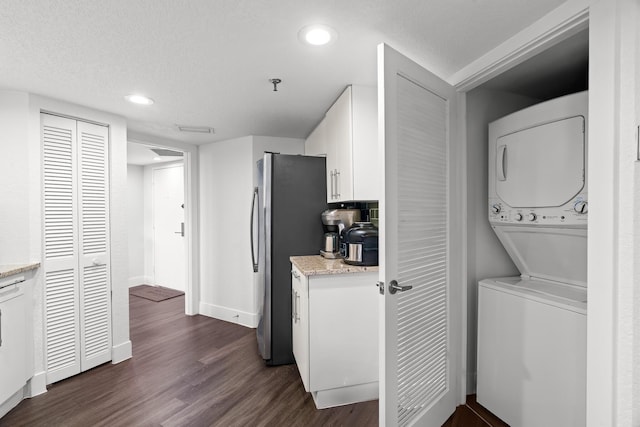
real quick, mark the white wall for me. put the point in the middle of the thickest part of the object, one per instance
(14, 179)
(226, 185)
(225, 189)
(276, 145)
(486, 256)
(135, 224)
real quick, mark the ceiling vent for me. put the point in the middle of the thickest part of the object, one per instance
(166, 153)
(195, 129)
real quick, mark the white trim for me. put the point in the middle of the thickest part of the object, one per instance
(192, 224)
(11, 402)
(250, 320)
(37, 385)
(121, 352)
(558, 25)
(461, 163)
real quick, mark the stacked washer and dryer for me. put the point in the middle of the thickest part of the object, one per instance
(532, 328)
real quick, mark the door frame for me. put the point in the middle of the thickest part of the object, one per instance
(613, 235)
(191, 228)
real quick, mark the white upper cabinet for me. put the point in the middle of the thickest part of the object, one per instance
(348, 137)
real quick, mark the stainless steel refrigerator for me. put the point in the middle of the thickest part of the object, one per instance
(285, 221)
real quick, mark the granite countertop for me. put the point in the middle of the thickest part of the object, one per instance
(313, 265)
(8, 270)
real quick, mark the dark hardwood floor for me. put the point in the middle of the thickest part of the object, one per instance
(185, 371)
(472, 414)
(191, 371)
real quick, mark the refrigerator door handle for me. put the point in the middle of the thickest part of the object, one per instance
(254, 251)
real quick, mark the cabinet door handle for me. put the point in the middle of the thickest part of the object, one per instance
(332, 176)
(337, 181)
(297, 318)
(331, 189)
(293, 305)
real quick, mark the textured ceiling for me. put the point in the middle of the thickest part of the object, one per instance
(208, 62)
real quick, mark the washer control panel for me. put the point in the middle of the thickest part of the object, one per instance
(572, 213)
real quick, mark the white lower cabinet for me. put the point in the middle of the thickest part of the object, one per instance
(335, 336)
(14, 344)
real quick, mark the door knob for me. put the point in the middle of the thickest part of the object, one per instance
(394, 287)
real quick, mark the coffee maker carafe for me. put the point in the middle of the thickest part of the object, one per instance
(335, 222)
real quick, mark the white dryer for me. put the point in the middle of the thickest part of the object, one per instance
(532, 328)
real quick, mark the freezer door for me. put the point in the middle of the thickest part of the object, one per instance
(263, 279)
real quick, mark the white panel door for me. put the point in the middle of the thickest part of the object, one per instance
(95, 280)
(420, 235)
(168, 227)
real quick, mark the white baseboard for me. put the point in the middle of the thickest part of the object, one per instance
(121, 352)
(11, 402)
(140, 280)
(37, 384)
(345, 395)
(250, 320)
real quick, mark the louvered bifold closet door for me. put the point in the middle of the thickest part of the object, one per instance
(60, 258)
(422, 251)
(95, 289)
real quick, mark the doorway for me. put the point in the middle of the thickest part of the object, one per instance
(168, 225)
(158, 229)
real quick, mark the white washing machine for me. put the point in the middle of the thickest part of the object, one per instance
(532, 328)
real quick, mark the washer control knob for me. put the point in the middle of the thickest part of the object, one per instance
(582, 207)
(518, 217)
(531, 217)
(496, 208)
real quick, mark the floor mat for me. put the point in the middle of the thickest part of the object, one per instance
(154, 293)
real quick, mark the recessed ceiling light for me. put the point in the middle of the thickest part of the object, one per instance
(139, 99)
(317, 35)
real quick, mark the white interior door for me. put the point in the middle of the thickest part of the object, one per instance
(94, 246)
(168, 227)
(75, 158)
(420, 235)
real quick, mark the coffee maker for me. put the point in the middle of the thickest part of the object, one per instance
(335, 222)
